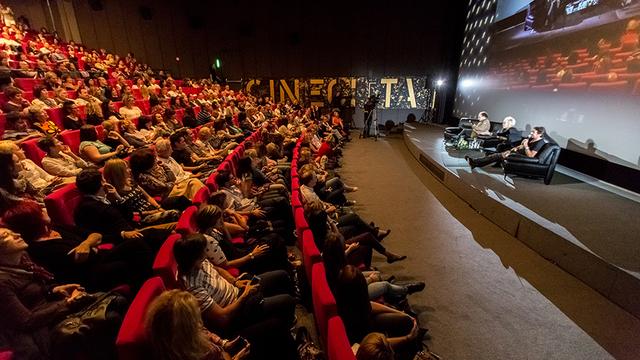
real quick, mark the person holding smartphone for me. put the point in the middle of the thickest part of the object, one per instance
(176, 331)
(529, 148)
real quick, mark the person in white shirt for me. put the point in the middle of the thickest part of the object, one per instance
(60, 160)
(129, 110)
(164, 150)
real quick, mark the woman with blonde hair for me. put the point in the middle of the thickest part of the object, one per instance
(176, 331)
(134, 203)
(129, 110)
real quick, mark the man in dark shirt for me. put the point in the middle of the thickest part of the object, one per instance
(529, 148)
(95, 213)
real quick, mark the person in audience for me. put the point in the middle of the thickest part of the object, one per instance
(202, 152)
(41, 99)
(157, 179)
(529, 148)
(334, 257)
(170, 120)
(61, 95)
(95, 213)
(132, 200)
(232, 306)
(71, 116)
(93, 106)
(24, 175)
(362, 316)
(265, 254)
(113, 138)
(133, 136)
(74, 257)
(109, 110)
(18, 128)
(352, 228)
(94, 150)
(273, 208)
(15, 101)
(59, 159)
(176, 331)
(185, 157)
(31, 303)
(376, 346)
(129, 110)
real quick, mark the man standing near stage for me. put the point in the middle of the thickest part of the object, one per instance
(529, 148)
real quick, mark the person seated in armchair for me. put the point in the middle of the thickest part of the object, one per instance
(480, 127)
(529, 148)
(506, 137)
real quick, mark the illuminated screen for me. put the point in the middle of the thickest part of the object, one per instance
(570, 66)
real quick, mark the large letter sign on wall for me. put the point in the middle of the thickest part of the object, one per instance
(394, 92)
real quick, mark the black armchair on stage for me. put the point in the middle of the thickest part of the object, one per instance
(541, 166)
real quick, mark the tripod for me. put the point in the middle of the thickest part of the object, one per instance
(371, 119)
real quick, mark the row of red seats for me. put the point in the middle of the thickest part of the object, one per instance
(625, 85)
(131, 342)
(60, 203)
(330, 326)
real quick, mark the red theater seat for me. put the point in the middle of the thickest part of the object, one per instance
(131, 342)
(187, 224)
(28, 95)
(612, 86)
(3, 123)
(301, 224)
(211, 182)
(295, 184)
(542, 87)
(295, 200)
(72, 139)
(324, 304)
(338, 346)
(27, 84)
(32, 151)
(573, 86)
(144, 105)
(165, 264)
(201, 196)
(61, 204)
(310, 253)
(595, 78)
(55, 114)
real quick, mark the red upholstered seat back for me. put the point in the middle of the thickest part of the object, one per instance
(186, 224)
(201, 196)
(324, 304)
(301, 224)
(72, 139)
(27, 84)
(310, 253)
(62, 203)
(32, 151)
(165, 264)
(338, 346)
(131, 342)
(55, 115)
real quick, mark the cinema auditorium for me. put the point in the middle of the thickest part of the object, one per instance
(333, 180)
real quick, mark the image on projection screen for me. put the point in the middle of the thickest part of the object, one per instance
(572, 66)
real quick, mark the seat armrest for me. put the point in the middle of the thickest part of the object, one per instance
(522, 159)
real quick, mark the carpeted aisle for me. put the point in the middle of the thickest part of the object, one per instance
(488, 296)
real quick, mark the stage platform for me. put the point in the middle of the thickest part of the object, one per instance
(588, 228)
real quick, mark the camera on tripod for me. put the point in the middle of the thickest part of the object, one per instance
(371, 102)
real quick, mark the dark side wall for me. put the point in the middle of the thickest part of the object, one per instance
(278, 38)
